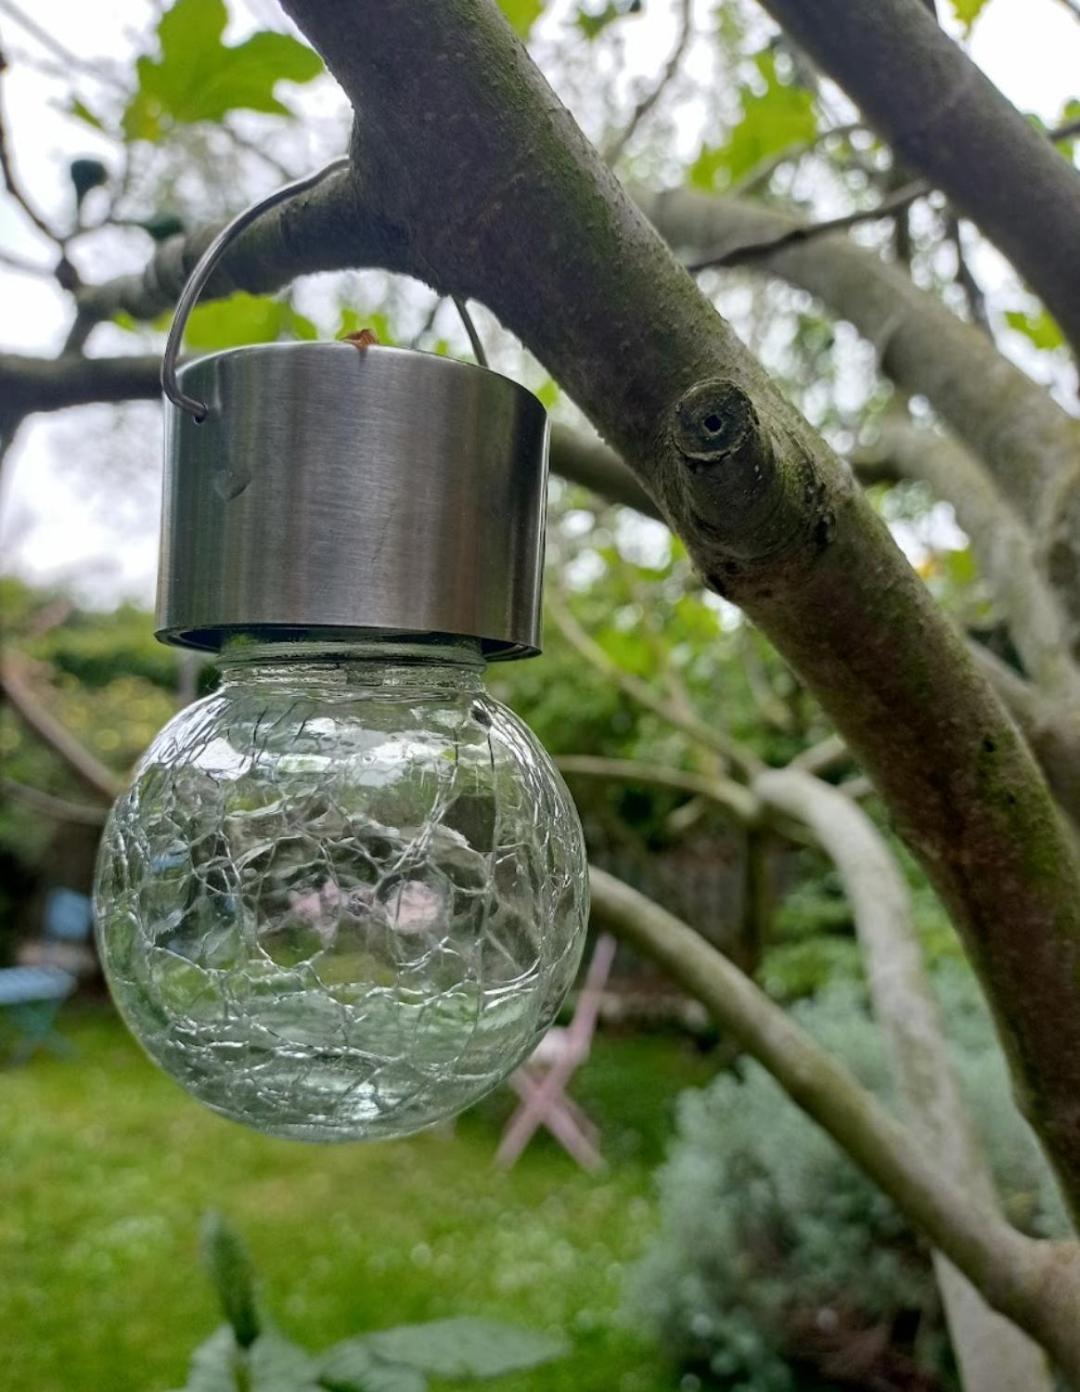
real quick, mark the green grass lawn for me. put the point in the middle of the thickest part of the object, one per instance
(106, 1166)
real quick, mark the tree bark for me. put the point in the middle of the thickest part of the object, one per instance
(527, 219)
(947, 121)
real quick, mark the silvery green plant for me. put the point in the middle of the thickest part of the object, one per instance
(248, 1354)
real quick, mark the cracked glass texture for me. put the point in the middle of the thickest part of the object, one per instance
(342, 899)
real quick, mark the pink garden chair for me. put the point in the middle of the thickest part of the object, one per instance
(541, 1081)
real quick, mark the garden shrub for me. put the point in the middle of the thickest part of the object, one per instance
(777, 1264)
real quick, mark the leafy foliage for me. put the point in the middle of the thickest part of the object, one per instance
(522, 14)
(248, 1355)
(593, 22)
(1041, 328)
(968, 11)
(776, 116)
(199, 78)
(773, 1246)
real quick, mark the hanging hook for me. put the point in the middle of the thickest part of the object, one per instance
(203, 270)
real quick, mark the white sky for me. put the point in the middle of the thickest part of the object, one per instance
(58, 521)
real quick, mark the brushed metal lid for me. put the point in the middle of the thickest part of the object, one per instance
(338, 491)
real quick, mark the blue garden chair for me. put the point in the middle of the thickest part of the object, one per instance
(31, 996)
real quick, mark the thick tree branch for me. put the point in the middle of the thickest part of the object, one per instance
(527, 219)
(325, 229)
(993, 1356)
(948, 122)
(589, 462)
(1036, 1285)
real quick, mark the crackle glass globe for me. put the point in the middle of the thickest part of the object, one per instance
(345, 895)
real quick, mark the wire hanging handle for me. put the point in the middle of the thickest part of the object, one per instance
(204, 269)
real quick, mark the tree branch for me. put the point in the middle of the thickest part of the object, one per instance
(808, 231)
(1051, 729)
(326, 229)
(948, 122)
(993, 1356)
(25, 702)
(1009, 422)
(1036, 1285)
(698, 730)
(735, 798)
(82, 813)
(1003, 544)
(614, 148)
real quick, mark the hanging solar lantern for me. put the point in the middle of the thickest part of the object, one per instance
(345, 895)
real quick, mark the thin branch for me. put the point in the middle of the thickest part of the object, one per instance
(71, 61)
(1035, 1284)
(27, 704)
(1068, 131)
(744, 759)
(13, 186)
(61, 809)
(614, 148)
(965, 277)
(429, 321)
(734, 798)
(475, 341)
(993, 1357)
(948, 122)
(820, 758)
(805, 232)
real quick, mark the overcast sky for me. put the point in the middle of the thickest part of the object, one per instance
(55, 525)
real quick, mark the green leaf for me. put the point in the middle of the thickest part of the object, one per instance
(229, 1265)
(239, 320)
(465, 1348)
(548, 393)
(968, 11)
(214, 1364)
(1041, 328)
(79, 109)
(275, 1364)
(774, 119)
(352, 1367)
(199, 78)
(522, 14)
(594, 22)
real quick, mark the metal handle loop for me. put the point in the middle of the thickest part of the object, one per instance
(203, 270)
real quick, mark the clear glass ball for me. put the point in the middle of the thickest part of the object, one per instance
(342, 898)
